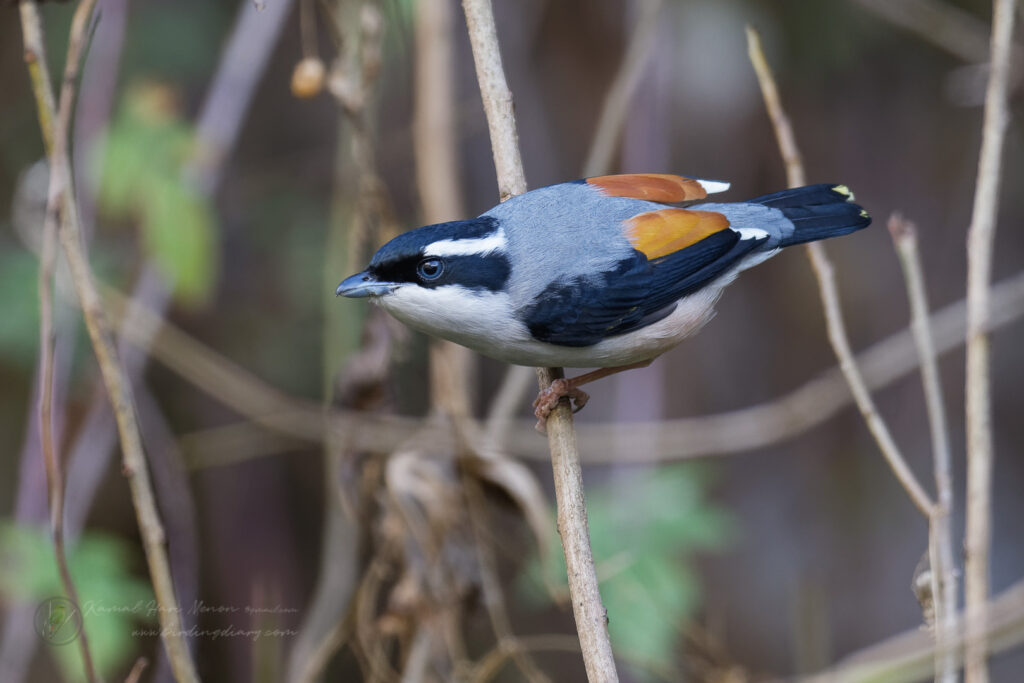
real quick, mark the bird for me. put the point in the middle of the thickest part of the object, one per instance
(607, 272)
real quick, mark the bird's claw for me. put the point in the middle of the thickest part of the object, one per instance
(548, 399)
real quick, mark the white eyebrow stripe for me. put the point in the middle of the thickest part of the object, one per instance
(479, 245)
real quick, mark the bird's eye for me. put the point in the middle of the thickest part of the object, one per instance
(430, 269)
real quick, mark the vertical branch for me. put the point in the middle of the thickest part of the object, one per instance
(57, 147)
(62, 194)
(825, 274)
(591, 618)
(980, 239)
(497, 98)
(437, 176)
(940, 544)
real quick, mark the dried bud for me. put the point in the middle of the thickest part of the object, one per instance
(308, 77)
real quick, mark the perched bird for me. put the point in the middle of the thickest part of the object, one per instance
(598, 273)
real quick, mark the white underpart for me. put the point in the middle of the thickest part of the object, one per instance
(487, 322)
(479, 245)
(751, 233)
(713, 186)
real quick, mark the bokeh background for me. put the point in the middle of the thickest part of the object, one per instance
(232, 208)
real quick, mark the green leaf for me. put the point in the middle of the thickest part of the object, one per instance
(112, 599)
(178, 237)
(19, 333)
(644, 530)
(143, 182)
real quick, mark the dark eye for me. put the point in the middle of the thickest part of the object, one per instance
(430, 269)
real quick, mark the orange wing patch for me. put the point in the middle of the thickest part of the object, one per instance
(654, 187)
(664, 232)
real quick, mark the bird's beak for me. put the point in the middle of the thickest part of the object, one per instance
(363, 284)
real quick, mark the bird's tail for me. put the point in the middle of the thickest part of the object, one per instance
(817, 212)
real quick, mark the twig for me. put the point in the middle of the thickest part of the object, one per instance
(136, 673)
(292, 418)
(980, 240)
(490, 664)
(940, 545)
(591, 618)
(352, 81)
(490, 583)
(119, 391)
(609, 129)
(946, 26)
(56, 204)
(619, 98)
(909, 656)
(829, 292)
(497, 98)
(233, 86)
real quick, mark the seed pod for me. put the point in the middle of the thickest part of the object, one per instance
(308, 77)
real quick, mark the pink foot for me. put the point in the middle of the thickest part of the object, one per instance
(548, 398)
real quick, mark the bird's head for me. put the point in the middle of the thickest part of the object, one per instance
(444, 279)
(470, 255)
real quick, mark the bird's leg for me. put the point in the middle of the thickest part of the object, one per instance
(569, 388)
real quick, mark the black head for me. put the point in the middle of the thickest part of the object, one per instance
(468, 253)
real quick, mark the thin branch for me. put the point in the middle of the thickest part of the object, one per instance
(56, 204)
(620, 96)
(70, 234)
(497, 98)
(829, 292)
(909, 656)
(490, 664)
(980, 241)
(940, 545)
(609, 130)
(942, 24)
(490, 583)
(591, 617)
(136, 673)
(289, 418)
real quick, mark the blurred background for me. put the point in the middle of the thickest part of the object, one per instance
(228, 192)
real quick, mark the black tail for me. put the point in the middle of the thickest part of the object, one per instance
(817, 212)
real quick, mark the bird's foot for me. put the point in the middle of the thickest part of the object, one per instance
(548, 398)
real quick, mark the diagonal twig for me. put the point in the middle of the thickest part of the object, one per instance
(825, 274)
(57, 147)
(908, 657)
(118, 389)
(940, 534)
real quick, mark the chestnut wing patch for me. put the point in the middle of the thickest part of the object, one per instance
(652, 187)
(659, 233)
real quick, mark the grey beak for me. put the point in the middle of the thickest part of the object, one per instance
(363, 284)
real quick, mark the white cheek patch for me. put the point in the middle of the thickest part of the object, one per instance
(470, 247)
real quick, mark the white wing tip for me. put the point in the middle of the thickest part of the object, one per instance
(751, 233)
(713, 186)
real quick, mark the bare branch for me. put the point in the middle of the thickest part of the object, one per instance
(942, 24)
(940, 543)
(591, 618)
(56, 142)
(829, 292)
(980, 240)
(119, 390)
(620, 96)
(909, 656)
